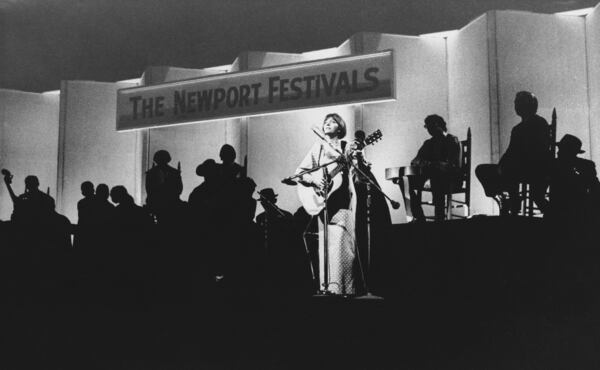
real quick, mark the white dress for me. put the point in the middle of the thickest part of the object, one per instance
(341, 249)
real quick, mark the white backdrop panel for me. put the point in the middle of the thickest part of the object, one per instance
(28, 141)
(544, 54)
(92, 149)
(469, 99)
(593, 55)
(421, 89)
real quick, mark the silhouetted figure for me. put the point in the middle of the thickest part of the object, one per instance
(104, 209)
(204, 200)
(208, 217)
(279, 242)
(229, 173)
(273, 221)
(33, 206)
(574, 186)
(60, 229)
(244, 205)
(128, 215)
(439, 161)
(228, 169)
(163, 187)
(527, 159)
(85, 214)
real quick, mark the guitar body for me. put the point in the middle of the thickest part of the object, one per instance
(313, 199)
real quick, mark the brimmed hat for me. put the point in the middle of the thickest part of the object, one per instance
(268, 194)
(207, 166)
(570, 142)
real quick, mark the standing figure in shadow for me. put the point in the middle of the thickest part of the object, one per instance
(104, 209)
(280, 244)
(228, 169)
(163, 188)
(207, 216)
(274, 223)
(85, 215)
(439, 162)
(574, 186)
(128, 216)
(527, 159)
(337, 274)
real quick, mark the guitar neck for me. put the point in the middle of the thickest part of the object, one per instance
(13, 196)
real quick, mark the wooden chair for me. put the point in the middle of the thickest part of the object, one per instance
(528, 206)
(463, 184)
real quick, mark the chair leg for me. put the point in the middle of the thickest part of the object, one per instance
(448, 206)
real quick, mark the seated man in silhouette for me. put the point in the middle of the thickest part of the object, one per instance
(439, 162)
(574, 185)
(163, 187)
(527, 159)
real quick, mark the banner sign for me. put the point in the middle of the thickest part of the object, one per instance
(344, 80)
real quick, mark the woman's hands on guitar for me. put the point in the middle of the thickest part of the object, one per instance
(319, 186)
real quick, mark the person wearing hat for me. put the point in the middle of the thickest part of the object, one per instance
(268, 200)
(573, 182)
(163, 186)
(204, 198)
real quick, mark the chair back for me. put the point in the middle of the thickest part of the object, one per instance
(465, 166)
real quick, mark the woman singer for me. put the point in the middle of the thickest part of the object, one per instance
(338, 277)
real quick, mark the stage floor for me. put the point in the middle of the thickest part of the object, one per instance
(474, 294)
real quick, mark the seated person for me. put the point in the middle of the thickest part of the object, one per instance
(439, 161)
(526, 159)
(573, 184)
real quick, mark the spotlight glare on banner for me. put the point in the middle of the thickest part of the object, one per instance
(577, 12)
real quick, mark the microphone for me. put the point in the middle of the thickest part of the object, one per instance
(288, 181)
(319, 134)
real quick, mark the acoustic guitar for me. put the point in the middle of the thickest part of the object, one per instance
(313, 197)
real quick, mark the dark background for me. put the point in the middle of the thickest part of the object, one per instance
(45, 41)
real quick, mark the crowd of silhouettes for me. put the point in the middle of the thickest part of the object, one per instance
(170, 247)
